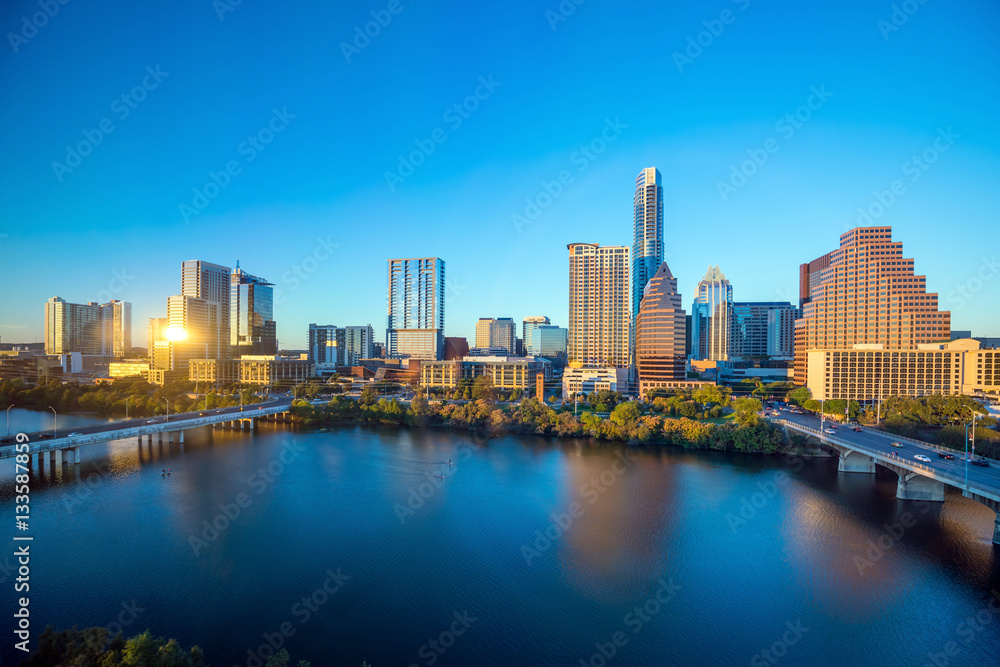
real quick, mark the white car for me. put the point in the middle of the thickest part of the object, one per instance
(73, 435)
(921, 457)
(830, 431)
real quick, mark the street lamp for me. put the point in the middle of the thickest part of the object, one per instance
(8, 417)
(55, 421)
(167, 401)
(127, 399)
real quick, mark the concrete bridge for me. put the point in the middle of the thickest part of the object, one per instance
(918, 480)
(67, 442)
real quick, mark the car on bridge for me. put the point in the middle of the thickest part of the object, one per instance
(73, 435)
(945, 456)
(982, 463)
(829, 430)
(858, 429)
(921, 457)
(897, 444)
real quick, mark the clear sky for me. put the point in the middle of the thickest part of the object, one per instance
(310, 128)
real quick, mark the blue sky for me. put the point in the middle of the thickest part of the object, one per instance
(114, 226)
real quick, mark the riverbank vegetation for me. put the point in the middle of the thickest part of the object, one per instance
(746, 432)
(134, 395)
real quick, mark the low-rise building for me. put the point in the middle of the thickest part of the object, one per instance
(505, 372)
(263, 370)
(585, 379)
(868, 373)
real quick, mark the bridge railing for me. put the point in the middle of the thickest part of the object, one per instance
(946, 477)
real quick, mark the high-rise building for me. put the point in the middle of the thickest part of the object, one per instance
(647, 232)
(415, 308)
(156, 330)
(483, 330)
(528, 327)
(868, 294)
(455, 347)
(211, 282)
(710, 317)
(599, 305)
(660, 332)
(549, 342)
(762, 328)
(331, 346)
(251, 315)
(192, 328)
(88, 328)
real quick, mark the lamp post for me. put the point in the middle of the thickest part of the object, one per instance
(127, 399)
(167, 401)
(8, 417)
(55, 422)
(822, 418)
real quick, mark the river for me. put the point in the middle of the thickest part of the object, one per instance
(345, 546)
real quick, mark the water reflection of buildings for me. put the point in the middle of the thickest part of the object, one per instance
(626, 500)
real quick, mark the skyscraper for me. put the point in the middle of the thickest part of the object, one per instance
(868, 294)
(647, 232)
(710, 317)
(503, 333)
(528, 327)
(599, 305)
(660, 332)
(415, 308)
(251, 319)
(762, 328)
(331, 346)
(88, 328)
(483, 327)
(210, 282)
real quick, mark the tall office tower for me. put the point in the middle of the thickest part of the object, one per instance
(503, 333)
(549, 342)
(647, 232)
(156, 330)
(762, 328)
(415, 308)
(599, 305)
(810, 275)
(867, 295)
(118, 328)
(210, 282)
(483, 331)
(88, 328)
(192, 328)
(660, 332)
(331, 346)
(528, 327)
(711, 313)
(251, 315)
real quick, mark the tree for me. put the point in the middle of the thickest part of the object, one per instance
(482, 388)
(747, 411)
(625, 414)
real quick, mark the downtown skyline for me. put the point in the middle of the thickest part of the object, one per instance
(114, 223)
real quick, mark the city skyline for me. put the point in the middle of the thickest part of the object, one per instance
(298, 202)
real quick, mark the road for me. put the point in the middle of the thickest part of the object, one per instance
(247, 411)
(882, 442)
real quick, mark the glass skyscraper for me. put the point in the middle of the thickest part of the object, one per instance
(210, 282)
(88, 328)
(647, 227)
(660, 333)
(711, 316)
(415, 308)
(251, 320)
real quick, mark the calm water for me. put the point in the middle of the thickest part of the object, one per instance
(652, 553)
